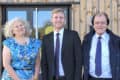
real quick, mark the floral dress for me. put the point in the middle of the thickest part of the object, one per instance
(23, 58)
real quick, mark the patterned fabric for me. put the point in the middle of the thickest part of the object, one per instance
(23, 58)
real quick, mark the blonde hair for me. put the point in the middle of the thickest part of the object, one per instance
(8, 27)
(57, 10)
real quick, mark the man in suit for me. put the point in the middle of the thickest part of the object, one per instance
(61, 51)
(101, 49)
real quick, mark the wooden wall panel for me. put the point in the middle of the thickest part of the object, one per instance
(118, 2)
(108, 10)
(76, 18)
(101, 5)
(119, 20)
(89, 14)
(72, 17)
(50, 1)
(95, 6)
(35, 1)
(89, 7)
(16, 1)
(28, 0)
(83, 18)
(114, 16)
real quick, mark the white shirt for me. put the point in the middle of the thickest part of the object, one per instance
(106, 70)
(61, 71)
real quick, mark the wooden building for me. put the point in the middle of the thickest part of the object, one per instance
(79, 13)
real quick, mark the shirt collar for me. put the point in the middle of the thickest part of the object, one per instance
(103, 36)
(60, 32)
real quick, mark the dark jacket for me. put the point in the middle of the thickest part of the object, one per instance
(71, 56)
(114, 47)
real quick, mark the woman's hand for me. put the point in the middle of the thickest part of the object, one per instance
(7, 63)
(34, 78)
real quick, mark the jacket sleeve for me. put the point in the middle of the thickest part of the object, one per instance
(44, 65)
(78, 57)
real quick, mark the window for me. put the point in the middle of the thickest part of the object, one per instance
(38, 16)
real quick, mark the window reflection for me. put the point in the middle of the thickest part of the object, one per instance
(43, 21)
(13, 14)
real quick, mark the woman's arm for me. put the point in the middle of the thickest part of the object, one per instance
(7, 63)
(37, 67)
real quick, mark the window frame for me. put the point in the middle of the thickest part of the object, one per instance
(68, 7)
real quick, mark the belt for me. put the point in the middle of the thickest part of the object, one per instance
(93, 78)
(22, 68)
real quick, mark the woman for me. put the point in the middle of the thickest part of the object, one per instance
(21, 58)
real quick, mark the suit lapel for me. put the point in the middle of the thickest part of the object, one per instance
(51, 39)
(51, 51)
(112, 52)
(88, 43)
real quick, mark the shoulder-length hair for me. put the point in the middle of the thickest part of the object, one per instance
(8, 27)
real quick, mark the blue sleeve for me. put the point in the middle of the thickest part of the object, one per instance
(38, 43)
(7, 43)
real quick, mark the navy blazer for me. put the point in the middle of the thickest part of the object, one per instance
(71, 56)
(114, 47)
